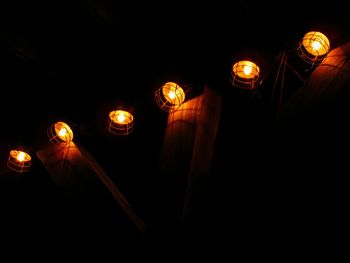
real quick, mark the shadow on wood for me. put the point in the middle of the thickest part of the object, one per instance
(88, 195)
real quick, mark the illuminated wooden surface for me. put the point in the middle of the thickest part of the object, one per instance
(322, 87)
(312, 127)
(80, 178)
(186, 157)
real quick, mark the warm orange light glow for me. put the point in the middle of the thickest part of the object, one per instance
(247, 70)
(314, 47)
(120, 122)
(170, 96)
(19, 161)
(60, 133)
(316, 43)
(173, 93)
(245, 74)
(63, 131)
(121, 118)
(21, 156)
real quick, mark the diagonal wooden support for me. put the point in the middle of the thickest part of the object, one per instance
(77, 174)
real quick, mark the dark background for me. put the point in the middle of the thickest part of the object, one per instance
(77, 60)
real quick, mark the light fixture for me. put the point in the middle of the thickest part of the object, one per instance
(170, 96)
(60, 133)
(19, 161)
(314, 47)
(245, 74)
(120, 122)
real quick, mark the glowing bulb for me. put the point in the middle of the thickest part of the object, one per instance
(316, 45)
(19, 161)
(120, 122)
(245, 74)
(21, 156)
(247, 70)
(121, 117)
(172, 94)
(62, 132)
(313, 47)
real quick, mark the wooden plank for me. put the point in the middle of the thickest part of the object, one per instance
(186, 156)
(79, 176)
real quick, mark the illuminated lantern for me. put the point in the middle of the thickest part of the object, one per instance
(60, 133)
(19, 161)
(245, 74)
(314, 47)
(170, 96)
(120, 122)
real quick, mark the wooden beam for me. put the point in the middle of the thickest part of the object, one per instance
(78, 175)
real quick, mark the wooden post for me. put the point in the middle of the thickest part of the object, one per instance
(313, 126)
(185, 159)
(322, 88)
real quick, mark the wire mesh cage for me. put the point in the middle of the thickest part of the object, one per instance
(245, 74)
(19, 161)
(60, 133)
(313, 47)
(120, 122)
(170, 96)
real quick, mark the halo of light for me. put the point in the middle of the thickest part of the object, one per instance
(19, 161)
(60, 133)
(314, 47)
(245, 74)
(120, 122)
(170, 96)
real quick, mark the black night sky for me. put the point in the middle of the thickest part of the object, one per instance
(77, 60)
